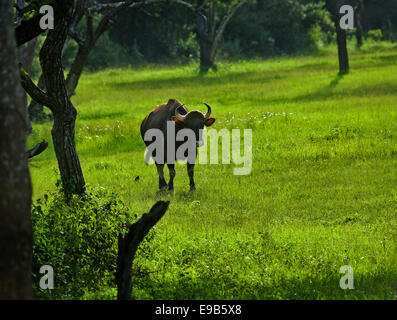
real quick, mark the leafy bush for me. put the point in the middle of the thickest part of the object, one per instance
(78, 239)
(375, 35)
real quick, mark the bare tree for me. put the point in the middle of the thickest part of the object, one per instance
(87, 41)
(15, 184)
(208, 31)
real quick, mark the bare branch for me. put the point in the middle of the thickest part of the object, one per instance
(39, 148)
(222, 27)
(76, 37)
(32, 90)
(104, 23)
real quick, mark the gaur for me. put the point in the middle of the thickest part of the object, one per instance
(177, 114)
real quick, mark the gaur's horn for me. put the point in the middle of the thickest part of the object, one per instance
(181, 117)
(207, 115)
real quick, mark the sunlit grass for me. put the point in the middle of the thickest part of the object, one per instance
(322, 192)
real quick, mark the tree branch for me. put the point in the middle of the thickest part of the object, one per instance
(39, 148)
(76, 37)
(28, 30)
(32, 90)
(103, 7)
(104, 23)
(222, 27)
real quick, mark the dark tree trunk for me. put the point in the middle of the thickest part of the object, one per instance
(15, 184)
(128, 245)
(342, 49)
(61, 106)
(333, 7)
(205, 56)
(359, 27)
(359, 32)
(77, 68)
(204, 42)
(65, 150)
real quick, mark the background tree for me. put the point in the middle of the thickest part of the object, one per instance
(208, 30)
(341, 40)
(357, 22)
(15, 185)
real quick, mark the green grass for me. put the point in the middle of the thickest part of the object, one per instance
(322, 192)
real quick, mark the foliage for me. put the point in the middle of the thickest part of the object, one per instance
(78, 239)
(164, 32)
(375, 35)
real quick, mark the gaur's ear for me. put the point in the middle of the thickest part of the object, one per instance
(176, 119)
(209, 122)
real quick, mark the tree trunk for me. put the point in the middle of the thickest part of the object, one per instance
(60, 104)
(77, 68)
(206, 62)
(65, 150)
(205, 56)
(128, 245)
(342, 49)
(15, 184)
(208, 35)
(359, 27)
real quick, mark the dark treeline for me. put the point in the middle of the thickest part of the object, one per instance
(164, 32)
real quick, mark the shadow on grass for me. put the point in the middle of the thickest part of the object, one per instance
(377, 286)
(330, 92)
(98, 116)
(245, 77)
(337, 79)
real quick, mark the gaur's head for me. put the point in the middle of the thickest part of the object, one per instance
(194, 120)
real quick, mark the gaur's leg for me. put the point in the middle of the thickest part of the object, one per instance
(160, 170)
(171, 169)
(190, 172)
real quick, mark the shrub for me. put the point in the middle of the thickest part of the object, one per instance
(78, 239)
(375, 35)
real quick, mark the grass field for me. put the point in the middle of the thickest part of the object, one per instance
(322, 192)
